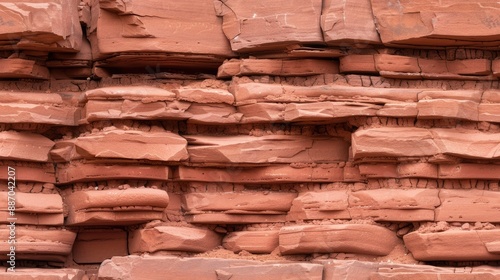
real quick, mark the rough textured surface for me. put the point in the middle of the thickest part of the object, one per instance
(232, 139)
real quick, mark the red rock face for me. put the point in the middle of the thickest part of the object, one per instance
(232, 139)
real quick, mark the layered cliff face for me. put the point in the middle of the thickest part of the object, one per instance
(236, 139)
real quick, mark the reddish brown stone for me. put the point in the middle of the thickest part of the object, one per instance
(44, 274)
(250, 92)
(257, 242)
(37, 244)
(401, 141)
(430, 23)
(443, 108)
(118, 207)
(358, 63)
(235, 218)
(33, 208)
(172, 238)
(400, 110)
(470, 66)
(394, 205)
(138, 93)
(346, 238)
(320, 205)
(44, 173)
(79, 172)
(468, 206)
(132, 109)
(470, 171)
(327, 111)
(95, 246)
(151, 27)
(252, 27)
(204, 95)
(266, 149)
(129, 144)
(22, 68)
(396, 63)
(156, 267)
(348, 22)
(293, 271)
(452, 245)
(24, 146)
(31, 26)
(265, 174)
(239, 202)
(277, 67)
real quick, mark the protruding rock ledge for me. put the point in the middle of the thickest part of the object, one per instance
(33, 208)
(454, 245)
(278, 173)
(81, 172)
(173, 238)
(38, 244)
(341, 238)
(116, 207)
(266, 149)
(258, 242)
(289, 271)
(123, 144)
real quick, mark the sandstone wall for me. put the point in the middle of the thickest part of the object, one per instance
(235, 139)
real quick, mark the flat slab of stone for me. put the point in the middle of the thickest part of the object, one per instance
(262, 174)
(156, 267)
(292, 271)
(172, 238)
(251, 27)
(115, 206)
(81, 172)
(238, 202)
(453, 245)
(468, 206)
(129, 144)
(24, 146)
(257, 242)
(341, 238)
(266, 149)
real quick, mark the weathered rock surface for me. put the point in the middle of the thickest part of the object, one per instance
(42, 108)
(454, 245)
(157, 27)
(320, 205)
(80, 172)
(37, 244)
(272, 271)
(394, 205)
(254, 27)
(258, 242)
(128, 144)
(117, 206)
(41, 25)
(348, 22)
(402, 141)
(173, 238)
(33, 208)
(266, 149)
(24, 146)
(273, 173)
(435, 23)
(456, 205)
(239, 203)
(343, 238)
(152, 267)
(45, 274)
